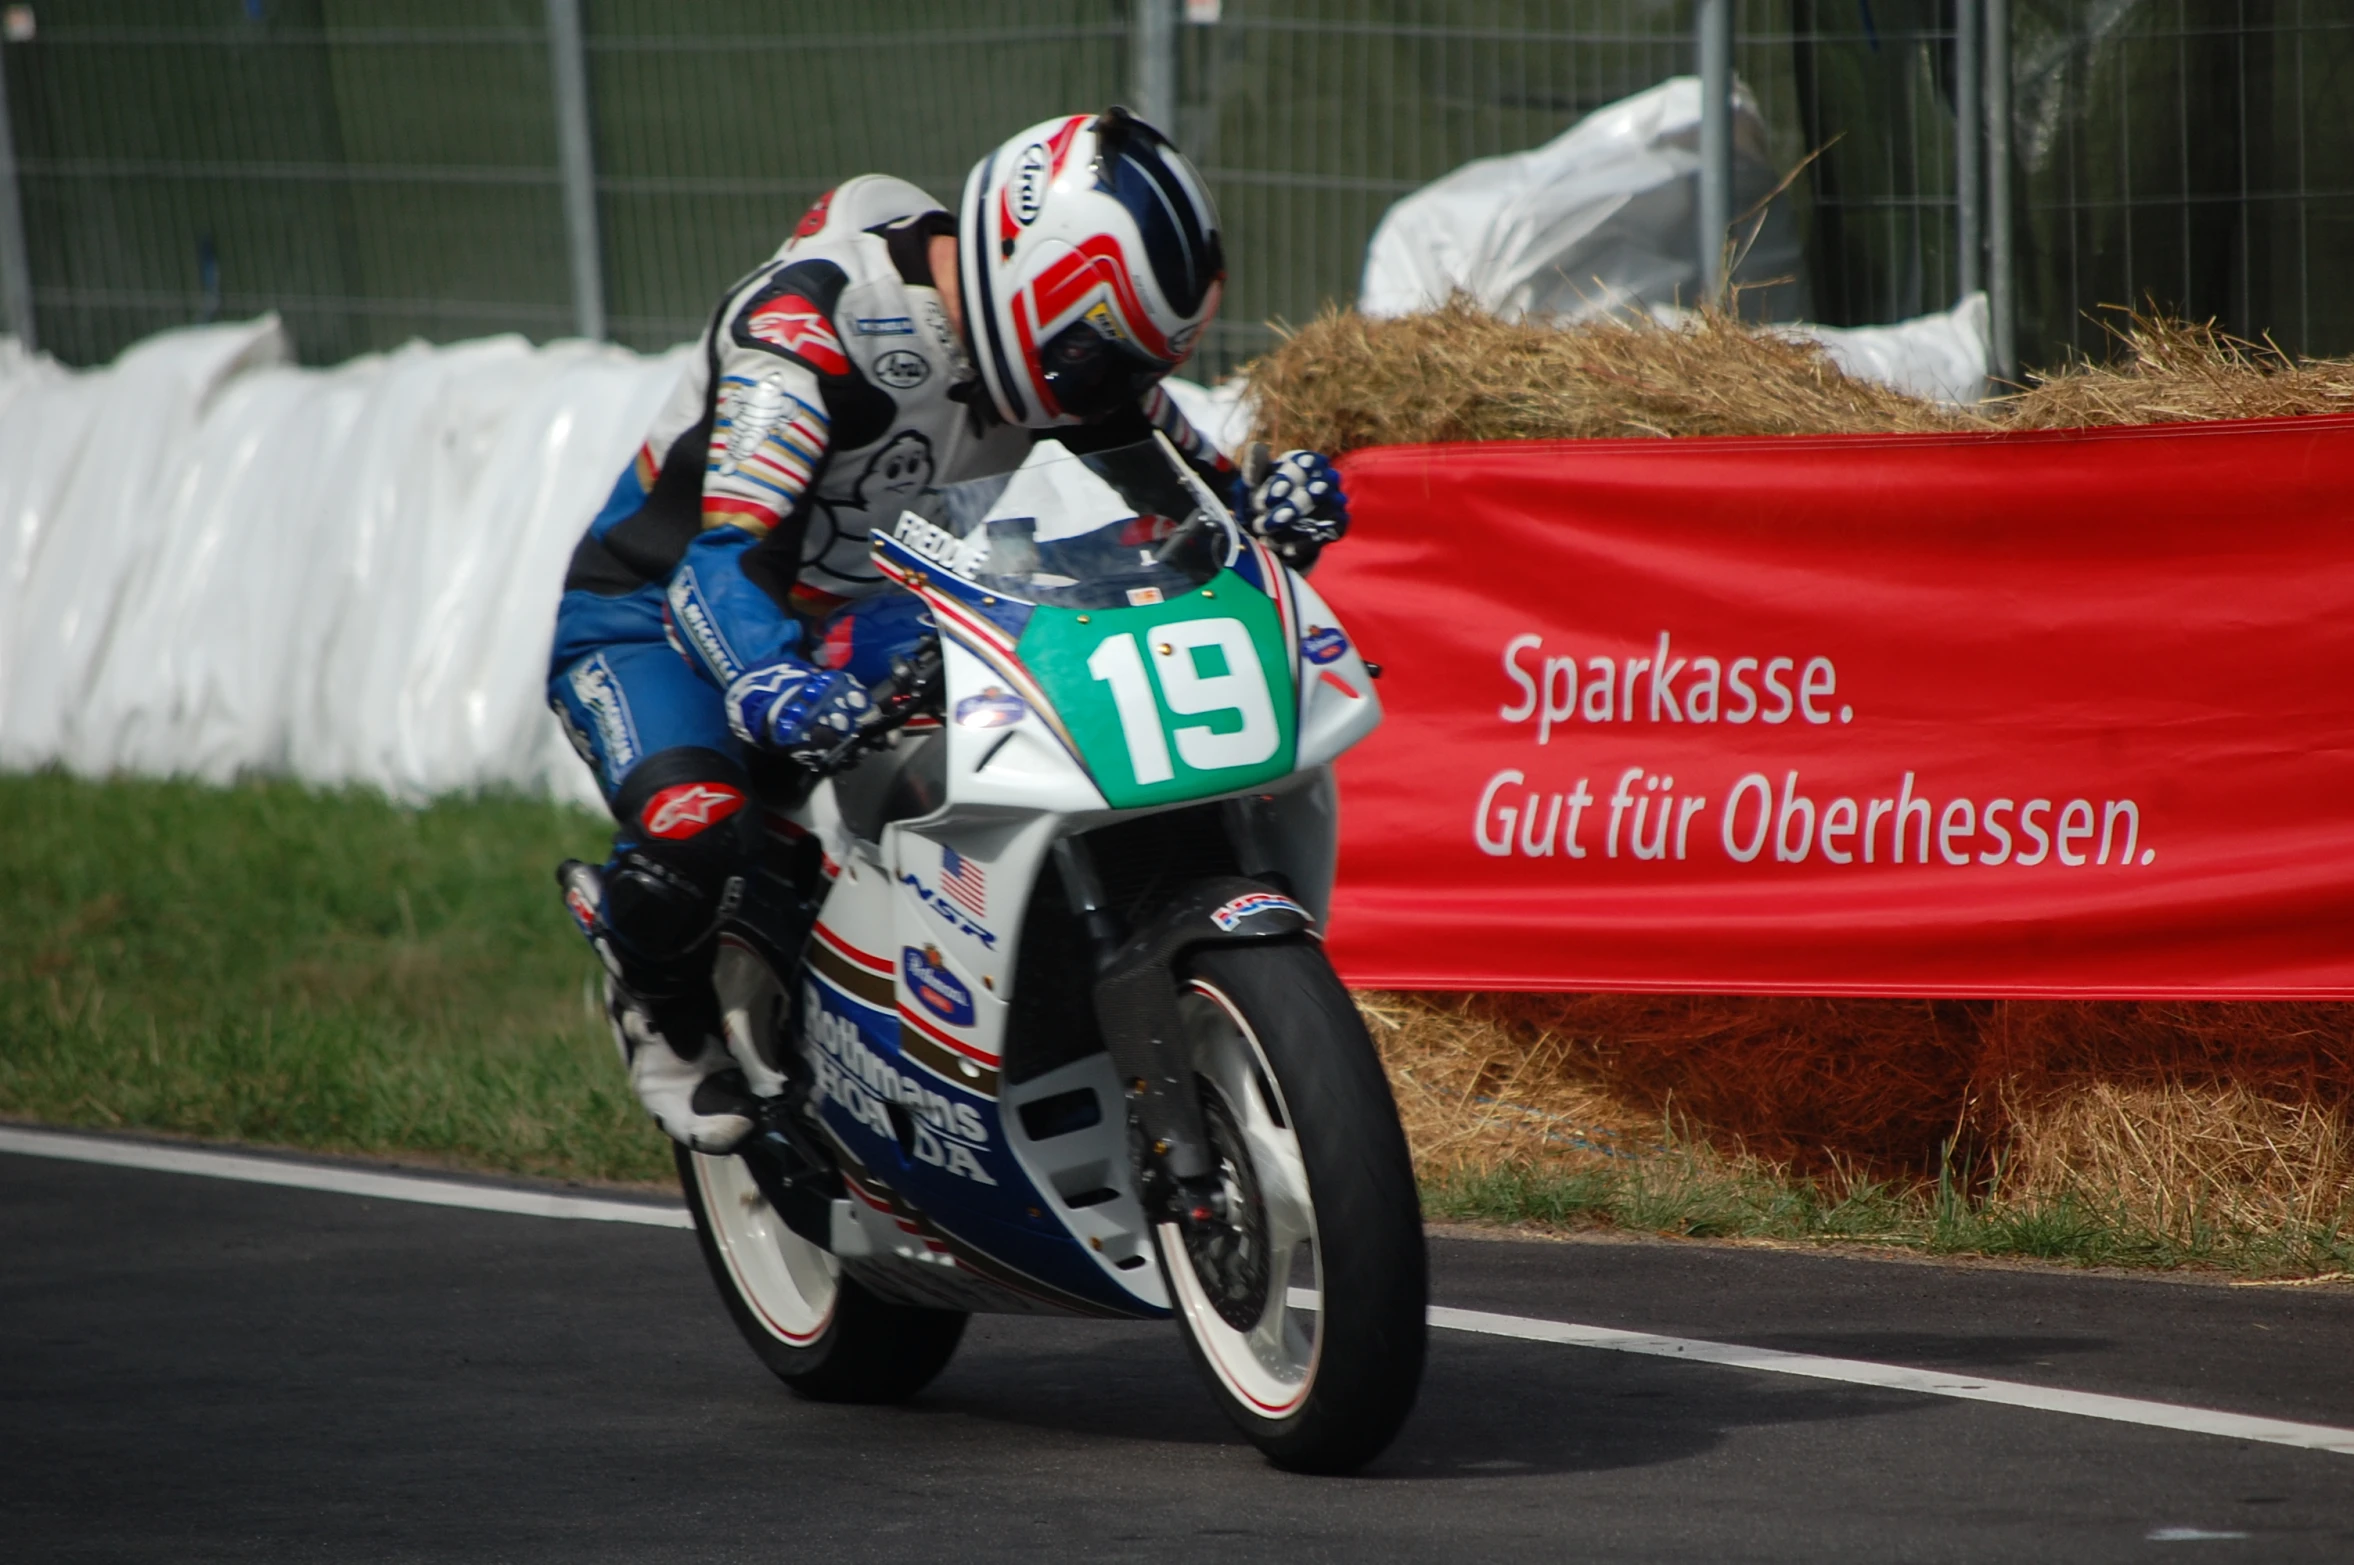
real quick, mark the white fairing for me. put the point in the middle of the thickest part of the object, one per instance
(1086, 1171)
(1019, 766)
(909, 988)
(1335, 711)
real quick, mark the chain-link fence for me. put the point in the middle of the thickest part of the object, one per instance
(384, 170)
(2195, 152)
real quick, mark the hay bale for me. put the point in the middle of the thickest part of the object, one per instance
(1347, 380)
(1474, 1095)
(2184, 1160)
(2167, 371)
(2173, 1116)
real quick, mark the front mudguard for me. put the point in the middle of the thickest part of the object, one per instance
(1136, 1006)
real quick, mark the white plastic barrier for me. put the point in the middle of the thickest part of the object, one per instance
(212, 561)
(1599, 220)
(1943, 357)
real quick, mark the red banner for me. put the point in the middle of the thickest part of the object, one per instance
(2066, 715)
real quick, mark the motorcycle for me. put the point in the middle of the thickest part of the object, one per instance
(1029, 986)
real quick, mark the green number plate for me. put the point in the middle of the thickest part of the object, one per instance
(1174, 700)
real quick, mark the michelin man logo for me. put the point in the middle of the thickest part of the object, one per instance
(899, 472)
(757, 411)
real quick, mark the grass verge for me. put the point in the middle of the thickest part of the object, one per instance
(330, 971)
(1695, 1193)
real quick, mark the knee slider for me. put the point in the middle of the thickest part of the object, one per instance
(659, 907)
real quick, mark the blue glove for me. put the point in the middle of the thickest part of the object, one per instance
(1297, 504)
(797, 711)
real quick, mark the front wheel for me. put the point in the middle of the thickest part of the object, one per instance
(1306, 1310)
(817, 1330)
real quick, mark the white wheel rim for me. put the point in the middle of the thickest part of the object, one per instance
(789, 1284)
(1270, 1366)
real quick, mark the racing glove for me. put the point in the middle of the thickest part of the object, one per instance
(799, 712)
(1296, 503)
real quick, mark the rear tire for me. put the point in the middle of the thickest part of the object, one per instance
(817, 1330)
(1308, 1315)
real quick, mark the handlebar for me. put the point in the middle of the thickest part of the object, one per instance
(915, 683)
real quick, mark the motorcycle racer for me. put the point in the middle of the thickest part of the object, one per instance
(722, 605)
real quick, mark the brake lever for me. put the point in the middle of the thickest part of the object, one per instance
(914, 682)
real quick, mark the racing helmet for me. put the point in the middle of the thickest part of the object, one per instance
(1090, 263)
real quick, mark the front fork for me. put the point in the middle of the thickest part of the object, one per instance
(1136, 1008)
(1174, 1161)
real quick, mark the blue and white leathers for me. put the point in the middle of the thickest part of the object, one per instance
(828, 391)
(724, 599)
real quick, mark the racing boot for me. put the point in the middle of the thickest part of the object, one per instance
(667, 1029)
(698, 1098)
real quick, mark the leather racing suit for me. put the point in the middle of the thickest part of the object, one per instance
(828, 388)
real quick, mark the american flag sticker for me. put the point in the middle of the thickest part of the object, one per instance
(964, 880)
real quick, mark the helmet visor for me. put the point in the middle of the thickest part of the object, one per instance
(1090, 374)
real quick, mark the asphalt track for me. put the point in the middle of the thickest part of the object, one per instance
(196, 1369)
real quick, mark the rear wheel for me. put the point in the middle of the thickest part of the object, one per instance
(1306, 1309)
(819, 1331)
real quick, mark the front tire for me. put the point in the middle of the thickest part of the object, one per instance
(1307, 1313)
(818, 1331)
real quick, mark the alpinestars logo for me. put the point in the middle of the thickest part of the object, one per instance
(800, 328)
(686, 809)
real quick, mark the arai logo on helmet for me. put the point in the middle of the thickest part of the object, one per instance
(1027, 189)
(994, 707)
(935, 988)
(1323, 644)
(1250, 902)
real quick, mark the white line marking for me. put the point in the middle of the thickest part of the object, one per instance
(1895, 1377)
(340, 1181)
(1858, 1372)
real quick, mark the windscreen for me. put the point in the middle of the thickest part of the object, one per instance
(1109, 529)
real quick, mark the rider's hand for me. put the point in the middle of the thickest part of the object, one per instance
(800, 713)
(1297, 505)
